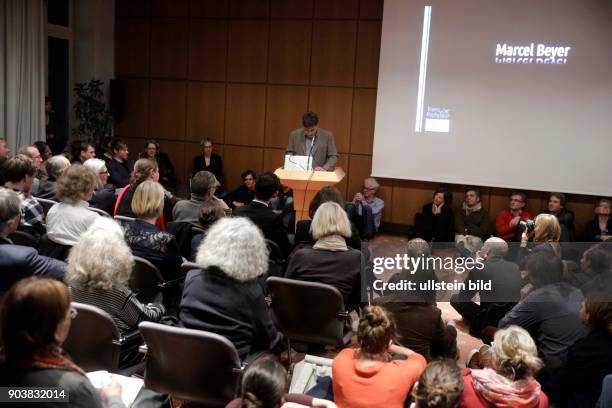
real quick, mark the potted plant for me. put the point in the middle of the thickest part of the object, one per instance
(94, 119)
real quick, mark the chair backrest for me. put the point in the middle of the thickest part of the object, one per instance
(311, 312)
(46, 204)
(145, 280)
(99, 211)
(23, 238)
(187, 266)
(191, 365)
(93, 341)
(122, 219)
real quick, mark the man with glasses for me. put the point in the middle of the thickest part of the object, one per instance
(310, 140)
(507, 220)
(368, 208)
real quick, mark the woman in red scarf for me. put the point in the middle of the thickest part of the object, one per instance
(509, 383)
(36, 317)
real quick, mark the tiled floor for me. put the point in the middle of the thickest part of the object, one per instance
(385, 245)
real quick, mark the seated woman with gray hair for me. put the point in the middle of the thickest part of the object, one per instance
(99, 268)
(104, 195)
(329, 260)
(224, 296)
(54, 167)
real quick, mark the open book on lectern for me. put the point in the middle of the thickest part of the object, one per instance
(293, 162)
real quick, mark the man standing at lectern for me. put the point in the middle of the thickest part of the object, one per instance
(310, 140)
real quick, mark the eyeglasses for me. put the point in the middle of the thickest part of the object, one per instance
(104, 172)
(73, 312)
(368, 188)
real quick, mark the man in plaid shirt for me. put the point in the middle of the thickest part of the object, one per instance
(19, 173)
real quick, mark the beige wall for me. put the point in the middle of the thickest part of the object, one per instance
(242, 72)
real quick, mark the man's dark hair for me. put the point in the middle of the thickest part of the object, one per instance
(245, 173)
(79, 146)
(267, 184)
(117, 144)
(560, 196)
(544, 268)
(16, 168)
(41, 146)
(476, 190)
(310, 119)
(521, 194)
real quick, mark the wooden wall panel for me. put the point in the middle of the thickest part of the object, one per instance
(368, 53)
(248, 51)
(167, 110)
(408, 199)
(290, 52)
(347, 9)
(236, 159)
(249, 8)
(208, 8)
(360, 167)
(169, 39)
(205, 111)
(165, 8)
(334, 63)
(343, 162)
(371, 9)
(135, 145)
(207, 49)
(132, 47)
(176, 153)
(291, 8)
(136, 109)
(286, 105)
(273, 159)
(362, 121)
(245, 115)
(333, 105)
(133, 8)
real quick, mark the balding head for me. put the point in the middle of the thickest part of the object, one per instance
(495, 246)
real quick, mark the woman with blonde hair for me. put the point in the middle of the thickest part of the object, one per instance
(144, 169)
(70, 218)
(329, 260)
(510, 381)
(145, 238)
(546, 235)
(367, 376)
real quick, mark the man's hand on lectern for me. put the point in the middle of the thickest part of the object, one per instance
(319, 168)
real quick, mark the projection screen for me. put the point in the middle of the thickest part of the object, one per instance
(500, 93)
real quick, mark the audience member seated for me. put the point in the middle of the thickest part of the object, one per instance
(145, 238)
(225, 296)
(506, 283)
(5, 152)
(209, 212)
(329, 260)
(144, 169)
(261, 214)
(119, 169)
(435, 221)
(166, 169)
(18, 261)
(33, 153)
(99, 268)
(605, 399)
(472, 222)
(596, 265)
(550, 312)
(203, 187)
(208, 161)
(104, 195)
(418, 321)
(599, 228)
(54, 167)
(578, 382)
(264, 385)
(546, 234)
(510, 381)
(507, 220)
(244, 194)
(302, 228)
(44, 150)
(70, 218)
(36, 317)
(556, 207)
(440, 386)
(368, 208)
(367, 376)
(19, 174)
(81, 151)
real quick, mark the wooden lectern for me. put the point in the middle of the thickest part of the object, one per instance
(305, 185)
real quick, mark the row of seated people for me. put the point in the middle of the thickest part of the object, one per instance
(436, 221)
(376, 372)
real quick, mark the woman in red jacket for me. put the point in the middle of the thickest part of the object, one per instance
(510, 383)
